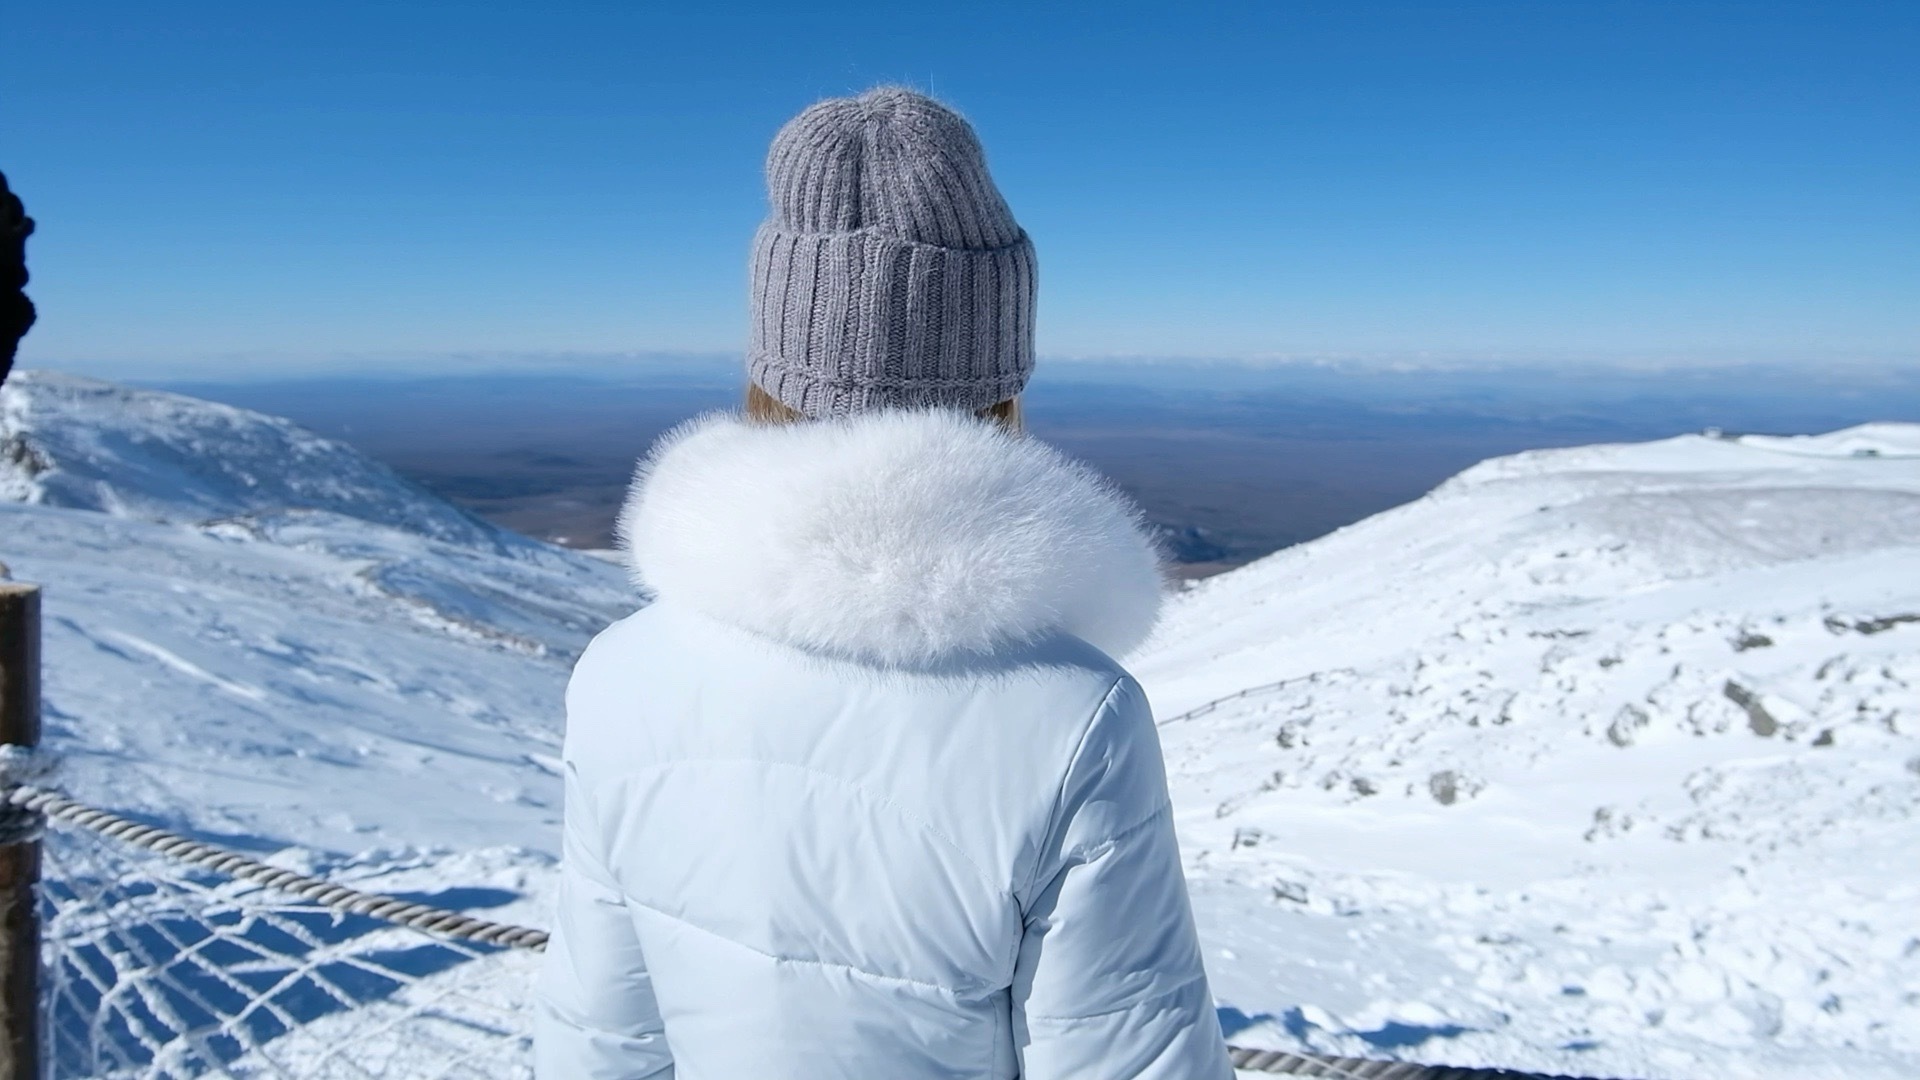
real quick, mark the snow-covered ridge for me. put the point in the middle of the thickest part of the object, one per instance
(84, 444)
(253, 631)
(1730, 458)
(1602, 760)
(1865, 441)
(76, 443)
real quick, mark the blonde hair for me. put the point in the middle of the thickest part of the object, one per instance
(764, 408)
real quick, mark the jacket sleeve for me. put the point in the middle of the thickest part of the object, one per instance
(1109, 981)
(595, 1017)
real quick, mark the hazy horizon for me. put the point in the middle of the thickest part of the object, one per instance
(1230, 461)
(635, 363)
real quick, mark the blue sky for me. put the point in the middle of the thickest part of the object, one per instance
(299, 185)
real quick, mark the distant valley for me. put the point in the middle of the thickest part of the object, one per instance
(1231, 461)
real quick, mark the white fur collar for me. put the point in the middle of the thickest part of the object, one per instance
(900, 538)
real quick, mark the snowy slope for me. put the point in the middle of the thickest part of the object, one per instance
(1598, 760)
(260, 634)
(92, 445)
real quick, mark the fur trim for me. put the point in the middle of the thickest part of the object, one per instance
(901, 538)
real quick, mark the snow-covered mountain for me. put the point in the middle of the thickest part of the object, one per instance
(1602, 760)
(1597, 760)
(91, 445)
(255, 632)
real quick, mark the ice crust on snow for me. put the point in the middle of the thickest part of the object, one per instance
(1599, 760)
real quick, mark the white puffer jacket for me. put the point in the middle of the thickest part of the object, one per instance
(860, 796)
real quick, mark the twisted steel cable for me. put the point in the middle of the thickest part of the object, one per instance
(57, 806)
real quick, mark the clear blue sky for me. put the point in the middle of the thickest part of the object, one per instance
(293, 182)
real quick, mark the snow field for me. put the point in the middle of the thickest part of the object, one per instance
(1598, 760)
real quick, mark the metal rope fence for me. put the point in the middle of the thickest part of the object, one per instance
(1207, 708)
(158, 969)
(437, 921)
(187, 967)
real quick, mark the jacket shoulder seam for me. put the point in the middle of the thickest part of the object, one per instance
(1066, 773)
(1093, 851)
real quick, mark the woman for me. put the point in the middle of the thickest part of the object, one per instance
(862, 794)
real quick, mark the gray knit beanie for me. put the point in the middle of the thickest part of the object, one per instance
(889, 272)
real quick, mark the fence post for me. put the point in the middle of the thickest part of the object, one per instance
(19, 862)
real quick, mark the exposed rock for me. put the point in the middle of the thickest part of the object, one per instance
(1626, 724)
(1758, 718)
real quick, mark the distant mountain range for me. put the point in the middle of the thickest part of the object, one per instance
(1600, 760)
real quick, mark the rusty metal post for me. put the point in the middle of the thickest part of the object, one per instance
(19, 862)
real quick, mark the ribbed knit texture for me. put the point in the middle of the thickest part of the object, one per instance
(889, 272)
